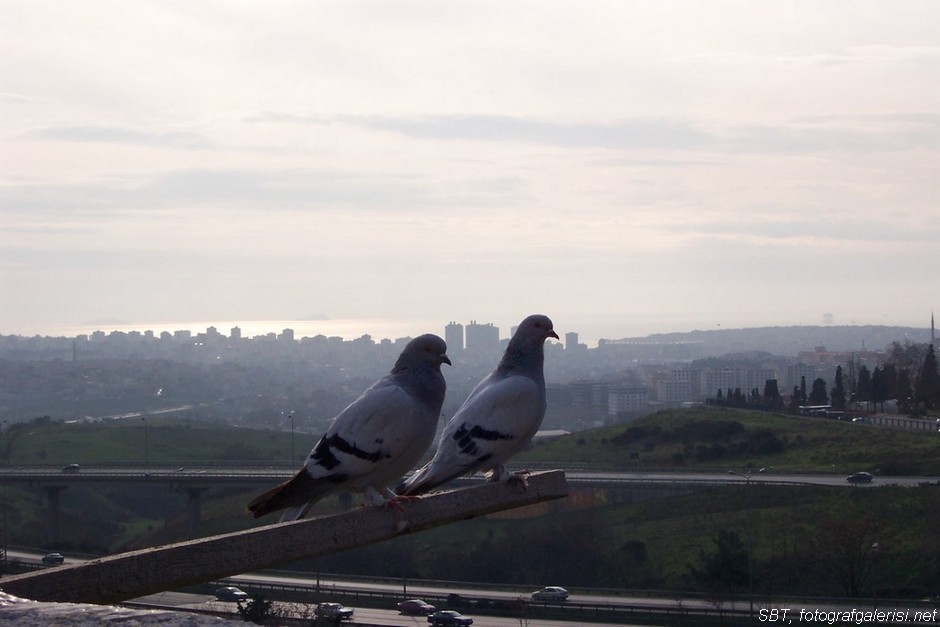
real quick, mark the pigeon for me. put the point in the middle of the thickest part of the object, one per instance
(374, 441)
(497, 420)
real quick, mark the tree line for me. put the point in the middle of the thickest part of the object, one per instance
(909, 376)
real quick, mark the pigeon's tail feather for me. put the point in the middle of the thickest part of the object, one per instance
(294, 513)
(423, 481)
(296, 495)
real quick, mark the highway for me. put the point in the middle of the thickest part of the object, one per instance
(251, 475)
(390, 591)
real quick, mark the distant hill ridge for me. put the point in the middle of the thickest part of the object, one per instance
(793, 339)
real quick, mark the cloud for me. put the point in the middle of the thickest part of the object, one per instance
(263, 190)
(630, 134)
(898, 131)
(111, 135)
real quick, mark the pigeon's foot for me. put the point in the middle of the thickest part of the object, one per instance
(395, 502)
(520, 477)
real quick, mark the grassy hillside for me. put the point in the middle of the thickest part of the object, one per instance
(700, 439)
(801, 536)
(159, 440)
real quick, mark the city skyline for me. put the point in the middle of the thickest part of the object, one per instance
(626, 169)
(379, 331)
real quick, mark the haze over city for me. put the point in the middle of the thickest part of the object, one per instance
(626, 168)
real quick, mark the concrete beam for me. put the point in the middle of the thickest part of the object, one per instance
(130, 575)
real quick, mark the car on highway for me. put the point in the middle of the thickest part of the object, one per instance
(231, 593)
(449, 617)
(860, 477)
(550, 593)
(333, 611)
(71, 468)
(416, 607)
(53, 558)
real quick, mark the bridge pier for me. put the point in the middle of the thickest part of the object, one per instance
(54, 498)
(194, 508)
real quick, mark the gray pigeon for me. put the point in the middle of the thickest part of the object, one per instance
(497, 420)
(375, 440)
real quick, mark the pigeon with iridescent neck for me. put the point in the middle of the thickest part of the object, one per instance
(372, 443)
(498, 419)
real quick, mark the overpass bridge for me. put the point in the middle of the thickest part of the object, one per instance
(586, 487)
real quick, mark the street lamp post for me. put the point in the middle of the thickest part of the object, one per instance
(292, 437)
(750, 535)
(146, 444)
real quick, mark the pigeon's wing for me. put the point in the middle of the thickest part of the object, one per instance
(376, 428)
(495, 422)
(364, 437)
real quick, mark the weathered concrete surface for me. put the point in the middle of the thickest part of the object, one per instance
(129, 575)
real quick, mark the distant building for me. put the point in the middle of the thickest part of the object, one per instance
(674, 386)
(287, 335)
(236, 333)
(795, 373)
(453, 336)
(714, 379)
(482, 338)
(627, 400)
(756, 378)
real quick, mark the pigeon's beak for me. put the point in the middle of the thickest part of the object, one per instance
(446, 360)
(554, 335)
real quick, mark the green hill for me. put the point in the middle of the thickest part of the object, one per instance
(709, 439)
(803, 537)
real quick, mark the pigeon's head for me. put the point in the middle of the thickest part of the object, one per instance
(536, 329)
(426, 350)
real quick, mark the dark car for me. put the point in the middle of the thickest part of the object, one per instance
(333, 610)
(53, 558)
(416, 607)
(71, 468)
(449, 617)
(231, 593)
(550, 593)
(860, 477)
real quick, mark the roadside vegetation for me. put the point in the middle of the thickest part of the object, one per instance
(843, 541)
(720, 439)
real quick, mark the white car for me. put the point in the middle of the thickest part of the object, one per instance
(550, 593)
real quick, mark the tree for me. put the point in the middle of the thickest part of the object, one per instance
(726, 568)
(772, 398)
(907, 355)
(928, 384)
(863, 391)
(902, 390)
(795, 400)
(837, 397)
(878, 388)
(848, 548)
(803, 396)
(818, 396)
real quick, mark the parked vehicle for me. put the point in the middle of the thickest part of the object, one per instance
(550, 593)
(231, 593)
(53, 558)
(860, 477)
(416, 607)
(449, 617)
(71, 468)
(334, 611)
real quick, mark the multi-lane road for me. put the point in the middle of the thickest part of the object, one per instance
(267, 474)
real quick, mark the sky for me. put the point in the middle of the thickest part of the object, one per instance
(623, 167)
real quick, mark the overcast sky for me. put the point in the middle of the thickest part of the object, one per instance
(624, 167)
